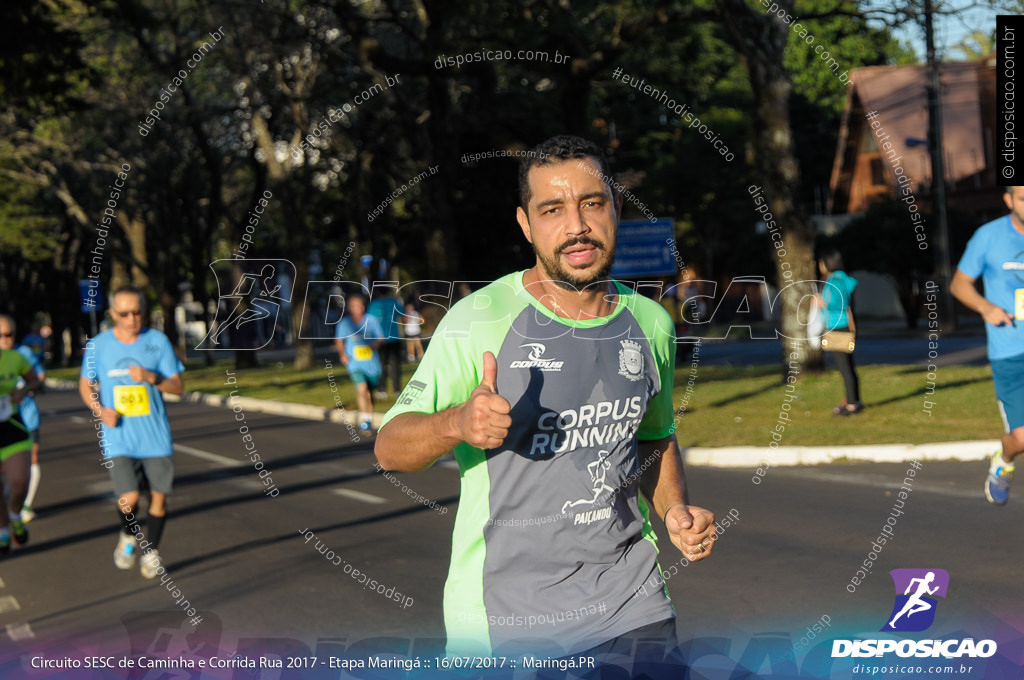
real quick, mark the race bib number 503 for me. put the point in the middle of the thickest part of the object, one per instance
(131, 400)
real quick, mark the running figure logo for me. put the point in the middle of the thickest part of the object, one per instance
(255, 298)
(598, 474)
(915, 611)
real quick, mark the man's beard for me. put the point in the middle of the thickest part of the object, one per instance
(1019, 215)
(568, 279)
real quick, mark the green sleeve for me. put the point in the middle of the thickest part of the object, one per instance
(452, 366)
(24, 365)
(657, 326)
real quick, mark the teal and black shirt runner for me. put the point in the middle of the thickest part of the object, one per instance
(552, 541)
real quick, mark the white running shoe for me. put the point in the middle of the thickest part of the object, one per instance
(997, 483)
(150, 562)
(124, 553)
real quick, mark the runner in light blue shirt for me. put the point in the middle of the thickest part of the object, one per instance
(358, 339)
(996, 254)
(133, 366)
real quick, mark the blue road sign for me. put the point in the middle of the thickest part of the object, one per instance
(644, 248)
(92, 296)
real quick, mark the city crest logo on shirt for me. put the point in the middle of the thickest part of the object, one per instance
(631, 360)
(536, 359)
(914, 609)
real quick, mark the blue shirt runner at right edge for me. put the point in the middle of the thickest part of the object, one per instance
(996, 254)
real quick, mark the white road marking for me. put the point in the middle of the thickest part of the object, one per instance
(19, 631)
(8, 604)
(206, 455)
(359, 496)
(100, 486)
(879, 482)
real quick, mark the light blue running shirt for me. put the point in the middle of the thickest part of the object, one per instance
(143, 430)
(28, 408)
(361, 355)
(996, 254)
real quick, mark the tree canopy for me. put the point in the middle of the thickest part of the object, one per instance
(339, 109)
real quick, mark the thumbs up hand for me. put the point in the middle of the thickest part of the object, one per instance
(484, 419)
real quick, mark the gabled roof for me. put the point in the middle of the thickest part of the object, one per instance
(897, 94)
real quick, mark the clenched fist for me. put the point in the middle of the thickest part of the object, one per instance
(109, 416)
(692, 530)
(483, 420)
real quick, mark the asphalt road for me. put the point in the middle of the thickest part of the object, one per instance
(240, 559)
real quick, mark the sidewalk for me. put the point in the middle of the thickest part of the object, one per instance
(277, 408)
(762, 456)
(731, 456)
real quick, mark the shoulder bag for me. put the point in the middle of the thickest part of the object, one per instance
(841, 341)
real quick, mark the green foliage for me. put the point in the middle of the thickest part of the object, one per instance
(231, 131)
(819, 87)
(23, 230)
(850, 41)
(40, 60)
(882, 240)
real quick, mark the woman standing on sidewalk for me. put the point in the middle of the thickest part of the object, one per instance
(835, 303)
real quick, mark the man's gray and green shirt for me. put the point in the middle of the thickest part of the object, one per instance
(552, 540)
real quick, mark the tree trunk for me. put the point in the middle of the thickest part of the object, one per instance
(303, 348)
(762, 43)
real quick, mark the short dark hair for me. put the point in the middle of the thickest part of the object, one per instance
(133, 291)
(558, 149)
(832, 260)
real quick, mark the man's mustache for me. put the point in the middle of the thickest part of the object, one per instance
(580, 240)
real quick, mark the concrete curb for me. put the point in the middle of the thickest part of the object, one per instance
(755, 456)
(277, 408)
(730, 456)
